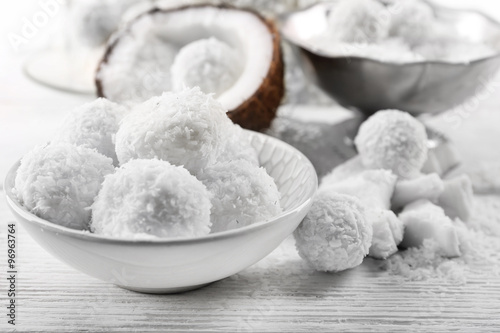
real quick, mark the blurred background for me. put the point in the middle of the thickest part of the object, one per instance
(29, 111)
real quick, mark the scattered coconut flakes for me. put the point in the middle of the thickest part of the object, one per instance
(489, 219)
(422, 263)
(479, 246)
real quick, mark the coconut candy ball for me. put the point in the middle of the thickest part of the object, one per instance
(241, 193)
(239, 147)
(151, 198)
(393, 140)
(187, 128)
(93, 125)
(411, 20)
(209, 64)
(358, 21)
(59, 182)
(335, 235)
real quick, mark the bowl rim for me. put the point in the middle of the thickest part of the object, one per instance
(86, 235)
(283, 18)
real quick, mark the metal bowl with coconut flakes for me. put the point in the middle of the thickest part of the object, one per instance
(416, 86)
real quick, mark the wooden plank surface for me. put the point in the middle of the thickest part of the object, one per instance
(280, 293)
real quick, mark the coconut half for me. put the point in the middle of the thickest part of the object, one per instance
(138, 60)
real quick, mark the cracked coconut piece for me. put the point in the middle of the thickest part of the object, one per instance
(424, 220)
(374, 188)
(407, 191)
(457, 198)
(387, 233)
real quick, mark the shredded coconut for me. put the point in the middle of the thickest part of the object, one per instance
(478, 243)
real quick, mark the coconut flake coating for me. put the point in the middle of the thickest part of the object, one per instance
(93, 125)
(358, 21)
(59, 182)
(239, 147)
(387, 232)
(187, 128)
(241, 193)
(393, 140)
(411, 20)
(207, 63)
(335, 235)
(147, 198)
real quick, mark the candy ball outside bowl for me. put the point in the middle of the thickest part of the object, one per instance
(176, 265)
(417, 85)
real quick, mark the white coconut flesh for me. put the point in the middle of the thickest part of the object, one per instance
(139, 64)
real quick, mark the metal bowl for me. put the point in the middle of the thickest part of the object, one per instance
(417, 87)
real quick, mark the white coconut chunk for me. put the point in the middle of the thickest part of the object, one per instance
(457, 197)
(145, 52)
(387, 233)
(424, 220)
(432, 165)
(374, 188)
(441, 159)
(447, 156)
(349, 168)
(427, 187)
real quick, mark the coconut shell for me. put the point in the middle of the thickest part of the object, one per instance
(255, 113)
(258, 111)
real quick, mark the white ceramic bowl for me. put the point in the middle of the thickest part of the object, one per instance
(166, 266)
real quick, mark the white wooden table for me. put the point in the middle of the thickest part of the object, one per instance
(280, 293)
